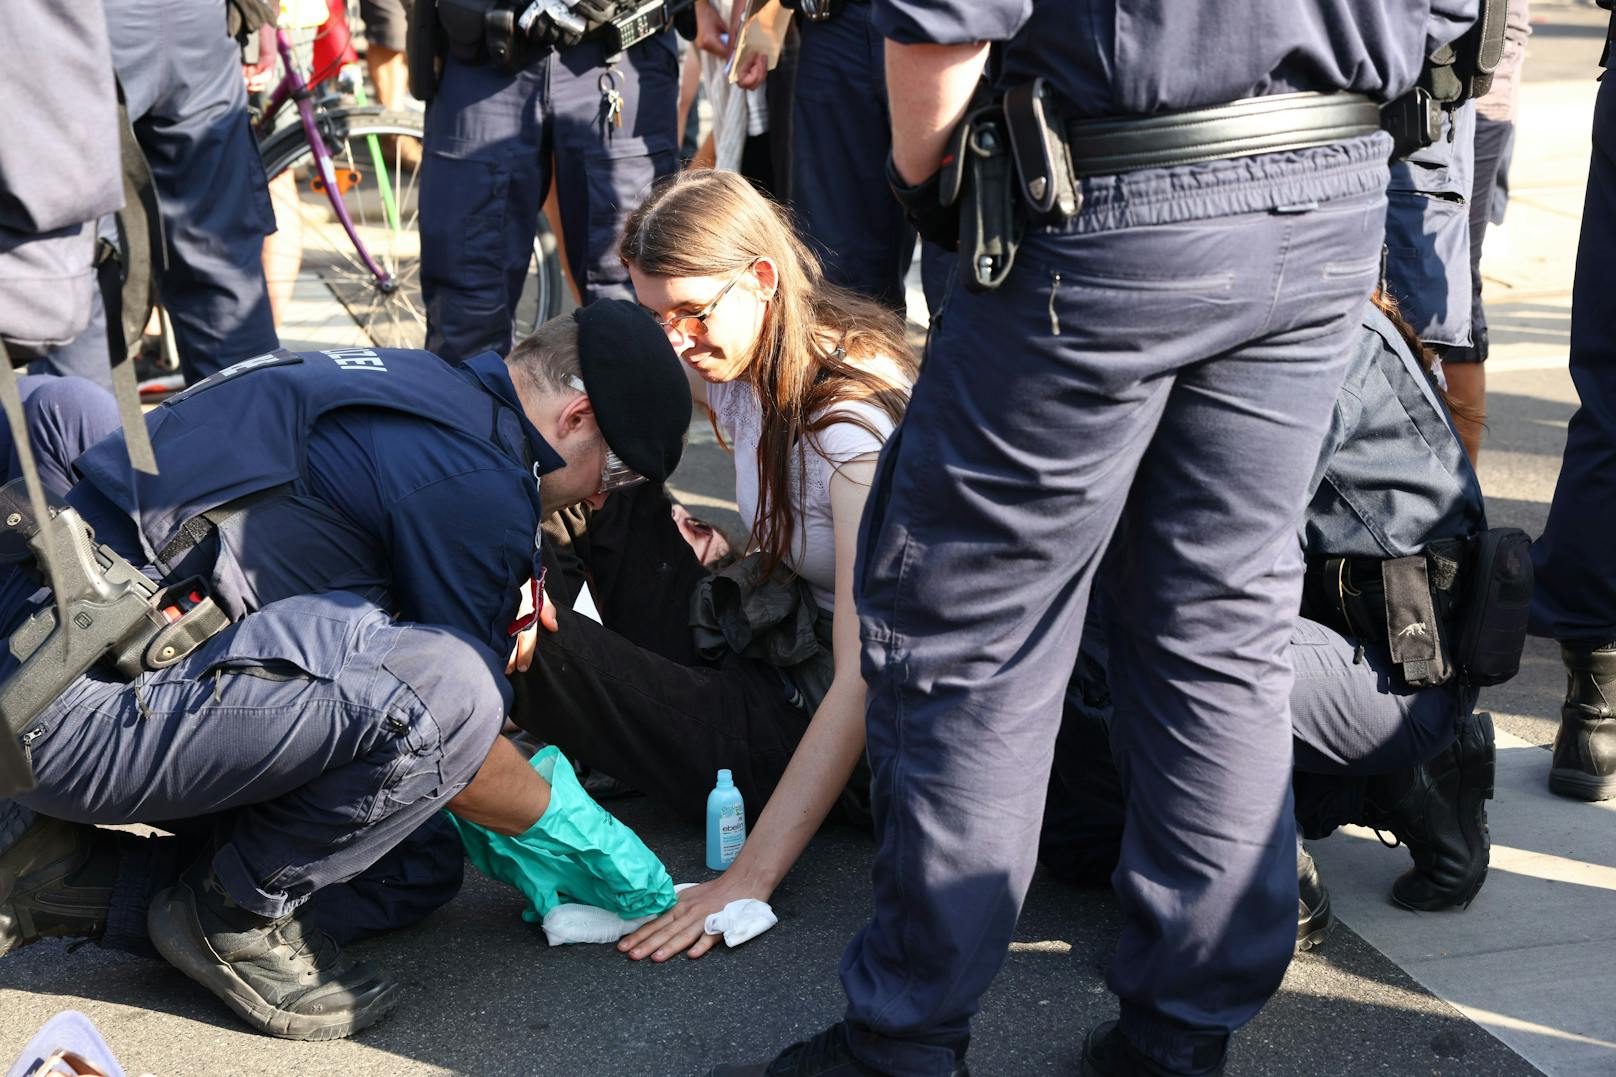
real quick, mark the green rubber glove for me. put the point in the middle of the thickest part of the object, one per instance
(576, 852)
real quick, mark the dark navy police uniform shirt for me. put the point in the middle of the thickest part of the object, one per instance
(1392, 475)
(1135, 57)
(436, 520)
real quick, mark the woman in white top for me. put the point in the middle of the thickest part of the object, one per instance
(804, 381)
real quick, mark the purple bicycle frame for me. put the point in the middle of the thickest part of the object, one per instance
(292, 86)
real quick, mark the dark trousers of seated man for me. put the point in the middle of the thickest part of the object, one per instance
(635, 699)
(1351, 719)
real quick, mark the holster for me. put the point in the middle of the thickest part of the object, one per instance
(1455, 73)
(425, 47)
(1038, 141)
(991, 223)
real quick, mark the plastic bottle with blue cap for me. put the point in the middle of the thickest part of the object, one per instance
(726, 823)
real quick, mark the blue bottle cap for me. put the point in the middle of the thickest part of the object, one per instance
(725, 778)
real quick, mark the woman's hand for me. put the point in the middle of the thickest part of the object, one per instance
(683, 927)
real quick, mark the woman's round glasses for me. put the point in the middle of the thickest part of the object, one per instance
(689, 325)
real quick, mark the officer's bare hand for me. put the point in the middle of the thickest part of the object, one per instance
(683, 928)
(710, 31)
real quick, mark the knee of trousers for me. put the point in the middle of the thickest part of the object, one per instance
(462, 686)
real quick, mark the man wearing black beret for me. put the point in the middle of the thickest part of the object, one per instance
(368, 519)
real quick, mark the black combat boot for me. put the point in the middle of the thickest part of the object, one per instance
(825, 1055)
(1439, 810)
(1584, 765)
(55, 878)
(1313, 916)
(1107, 1053)
(283, 976)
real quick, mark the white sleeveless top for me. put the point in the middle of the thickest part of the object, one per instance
(812, 553)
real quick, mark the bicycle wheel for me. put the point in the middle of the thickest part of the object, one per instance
(375, 156)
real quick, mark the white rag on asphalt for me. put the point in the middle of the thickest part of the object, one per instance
(737, 922)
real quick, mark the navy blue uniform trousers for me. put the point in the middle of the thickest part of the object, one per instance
(328, 732)
(1169, 361)
(181, 76)
(493, 143)
(840, 138)
(1574, 599)
(1351, 719)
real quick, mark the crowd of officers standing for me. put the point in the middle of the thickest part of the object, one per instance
(1149, 231)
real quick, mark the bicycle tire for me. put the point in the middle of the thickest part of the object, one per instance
(380, 317)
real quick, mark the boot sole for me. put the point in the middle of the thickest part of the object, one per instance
(173, 918)
(1478, 780)
(1580, 785)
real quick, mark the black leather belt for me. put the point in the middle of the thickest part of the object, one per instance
(1274, 124)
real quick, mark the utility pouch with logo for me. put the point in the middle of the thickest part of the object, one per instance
(1493, 609)
(990, 222)
(1413, 628)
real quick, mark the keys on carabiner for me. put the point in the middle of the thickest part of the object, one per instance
(611, 98)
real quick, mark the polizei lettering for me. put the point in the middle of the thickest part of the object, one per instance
(357, 359)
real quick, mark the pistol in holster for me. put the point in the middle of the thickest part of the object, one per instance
(115, 612)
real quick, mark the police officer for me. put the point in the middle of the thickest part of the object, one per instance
(1167, 344)
(327, 729)
(601, 123)
(181, 78)
(1575, 597)
(1392, 481)
(840, 138)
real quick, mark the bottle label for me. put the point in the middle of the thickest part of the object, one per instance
(731, 831)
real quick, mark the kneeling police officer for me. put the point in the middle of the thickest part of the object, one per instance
(366, 522)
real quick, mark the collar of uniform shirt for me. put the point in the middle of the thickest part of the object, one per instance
(489, 369)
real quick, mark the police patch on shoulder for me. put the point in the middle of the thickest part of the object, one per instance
(278, 357)
(356, 359)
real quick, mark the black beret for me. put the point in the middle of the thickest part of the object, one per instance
(636, 384)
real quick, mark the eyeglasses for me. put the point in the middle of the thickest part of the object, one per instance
(688, 325)
(614, 474)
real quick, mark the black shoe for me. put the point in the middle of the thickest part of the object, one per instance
(827, 1054)
(284, 977)
(1107, 1053)
(45, 889)
(1584, 765)
(1439, 810)
(1313, 916)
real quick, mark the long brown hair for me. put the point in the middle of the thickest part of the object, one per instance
(1422, 354)
(710, 223)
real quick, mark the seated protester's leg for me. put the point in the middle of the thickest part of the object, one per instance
(642, 570)
(412, 880)
(658, 725)
(65, 416)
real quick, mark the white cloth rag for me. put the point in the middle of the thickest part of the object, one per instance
(737, 922)
(741, 920)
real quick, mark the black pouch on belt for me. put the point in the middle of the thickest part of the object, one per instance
(990, 221)
(1492, 614)
(464, 25)
(1413, 628)
(1038, 141)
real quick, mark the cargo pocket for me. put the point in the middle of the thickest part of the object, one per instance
(310, 635)
(463, 238)
(618, 177)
